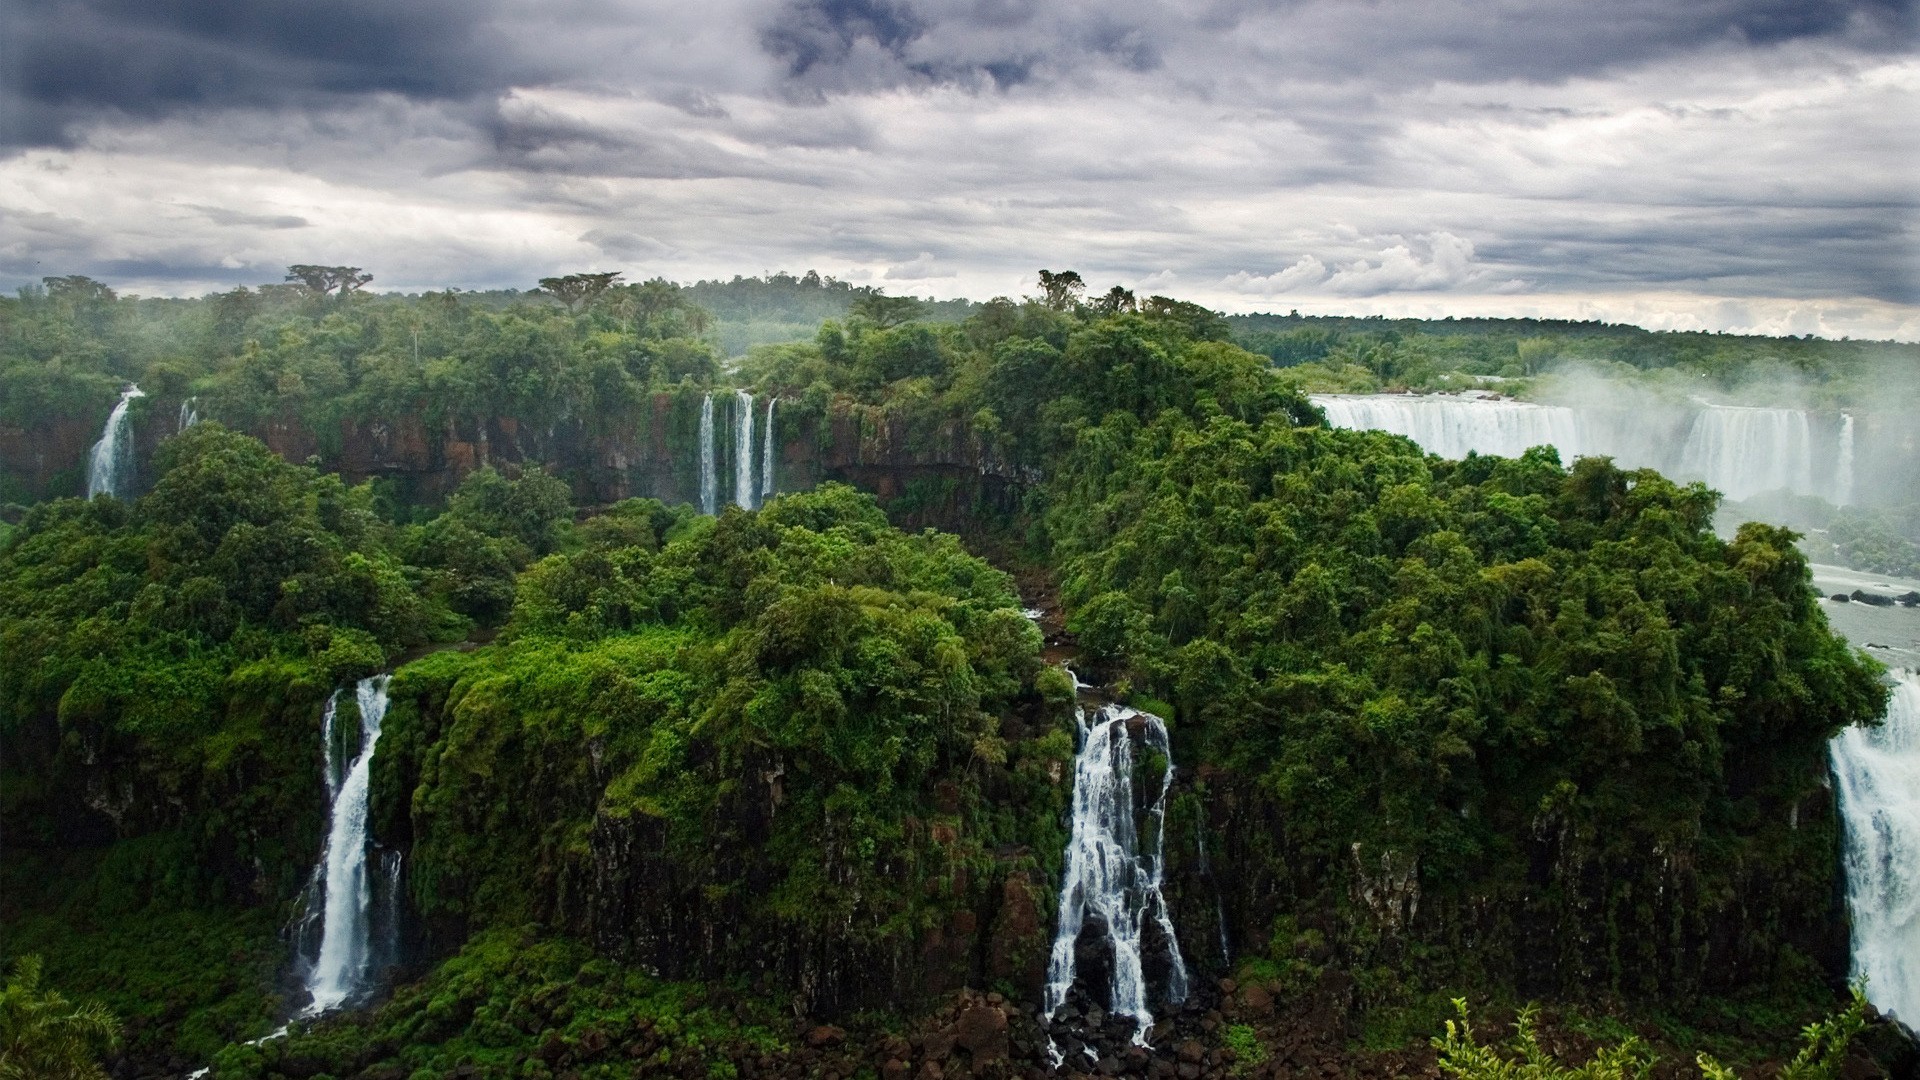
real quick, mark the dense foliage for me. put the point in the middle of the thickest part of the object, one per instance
(1357, 355)
(43, 1036)
(785, 724)
(1431, 717)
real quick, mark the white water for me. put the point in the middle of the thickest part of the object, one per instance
(1737, 450)
(1451, 426)
(709, 477)
(346, 938)
(110, 465)
(1107, 874)
(743, 450)
(766, 454)
(331, 762)
(1742, 451)
(1877, 771)
(1843, 464)
(189, 414)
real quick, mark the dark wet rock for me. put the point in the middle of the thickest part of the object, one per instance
(1840, 598)
(982, 1031)
(824, 1036)
(1910, 598)
(938, 1046)
(1861, 596)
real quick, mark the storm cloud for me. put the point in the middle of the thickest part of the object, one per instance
(1679, 164)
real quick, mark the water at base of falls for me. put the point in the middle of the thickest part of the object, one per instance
(1110, 875)
(344, 882)
(1877, 772)
(709, 466)
(110, 463)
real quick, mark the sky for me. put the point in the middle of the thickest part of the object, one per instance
(1740, 165)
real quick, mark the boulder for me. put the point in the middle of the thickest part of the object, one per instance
(982, 1031)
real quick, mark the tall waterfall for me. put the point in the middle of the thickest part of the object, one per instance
(1109, 876)
(1741, 451)
(345, 885)
(1877, 771)
(709, 474)
(766, 453)
(743, 480)
(1843, 464)
(110, 465)
(1451, 426)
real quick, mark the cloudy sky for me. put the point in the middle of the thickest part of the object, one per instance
(1717, 164)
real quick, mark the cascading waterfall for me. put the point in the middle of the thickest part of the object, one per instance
(1108, 876)
(110, 465)
(1877, 772)
(766, 453)
(1843, 464)
(1451, 426)
(709, 475)
(743, 450)
(189, 414)
(346, 887)
(1742, 451)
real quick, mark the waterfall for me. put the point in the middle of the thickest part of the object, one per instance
(743, 450)
(346, 935)
(1451, 426)
(332, 763)
(1741, 451)
(1108, 876)
(709, 477)
(1843, 464)
(189, 414)
(110, 465)
(1877, 772)
(766, 453)
(1219, 904)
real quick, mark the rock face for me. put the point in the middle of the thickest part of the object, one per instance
(946, 473)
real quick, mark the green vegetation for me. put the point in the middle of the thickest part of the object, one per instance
(1823, 1050)
(521, 1002)
(795, 712)
(1327, 354)
(1432, 716)
(43, 1036)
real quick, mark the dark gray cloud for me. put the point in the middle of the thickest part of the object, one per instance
(69, 61)
(855, 45)
(222, 216)
(1368, 152)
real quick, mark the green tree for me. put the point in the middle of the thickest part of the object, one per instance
(574, 290)
(1061, 291)
(885, 311)
(43, 1036)
(320, 281)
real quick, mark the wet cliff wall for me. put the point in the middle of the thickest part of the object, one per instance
(931, 470)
